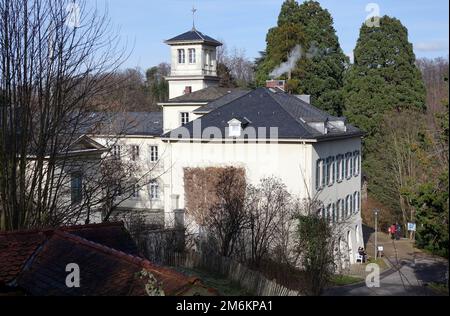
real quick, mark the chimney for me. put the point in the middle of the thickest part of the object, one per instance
(188, 90)
(281, 84)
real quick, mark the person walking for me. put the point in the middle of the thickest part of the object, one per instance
(392, 230)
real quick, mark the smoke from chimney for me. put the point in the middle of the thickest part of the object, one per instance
(290, 64)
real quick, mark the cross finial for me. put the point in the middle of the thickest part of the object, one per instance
(194, 10)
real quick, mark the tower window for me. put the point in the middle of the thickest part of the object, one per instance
(207, 58)
(192, 59)
(181, 56)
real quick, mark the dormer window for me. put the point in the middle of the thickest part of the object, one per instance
(234, 128)
(192, 58)
(181, 56)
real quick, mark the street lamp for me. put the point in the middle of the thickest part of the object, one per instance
(375, 212)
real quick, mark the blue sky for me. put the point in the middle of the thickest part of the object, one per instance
(243, 24)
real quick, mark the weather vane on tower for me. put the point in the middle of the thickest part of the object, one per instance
(194, 10)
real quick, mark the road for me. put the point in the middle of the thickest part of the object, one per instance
(411, 272)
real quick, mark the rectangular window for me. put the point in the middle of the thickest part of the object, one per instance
(76, 188)
(154, 153)
(154, 190)
(134, 152)
(135, 191)
(192, 57)
(117, 152)
(356, 163)
(181, 56)
(184, 118)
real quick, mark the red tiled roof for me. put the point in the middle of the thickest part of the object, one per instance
(113, 235)
(37, 262)
(103, 270)
(15, 250)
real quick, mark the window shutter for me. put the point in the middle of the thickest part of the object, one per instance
(318, 174)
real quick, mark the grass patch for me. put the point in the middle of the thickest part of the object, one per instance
(340, 280)
(439, 288)
(380, 262)
(222, 285)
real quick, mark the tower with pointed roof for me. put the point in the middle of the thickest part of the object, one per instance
(194, 63)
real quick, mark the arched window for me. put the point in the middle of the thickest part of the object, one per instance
(356, 202)
(349, 244)
(348, 206)
(181, 56)
(192, 56)
(333, 213)
(357, 234)
(329, 216)
(356, 163)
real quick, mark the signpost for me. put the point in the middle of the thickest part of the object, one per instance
(412, 230)
(375, 211)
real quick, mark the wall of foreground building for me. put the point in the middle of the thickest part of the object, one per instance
(350, 226)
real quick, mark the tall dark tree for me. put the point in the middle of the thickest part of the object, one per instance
(384, 76)
(319, 72)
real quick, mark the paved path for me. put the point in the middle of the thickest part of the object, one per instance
(411, 271)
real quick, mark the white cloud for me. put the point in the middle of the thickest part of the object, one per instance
(432, 46)
(351, 55)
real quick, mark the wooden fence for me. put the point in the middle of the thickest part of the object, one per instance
(252, 281)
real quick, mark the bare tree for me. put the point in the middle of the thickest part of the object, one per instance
(227, 218)
(268, 211)
(239, 66)
(55, 56)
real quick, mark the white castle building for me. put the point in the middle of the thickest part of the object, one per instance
(266, 131)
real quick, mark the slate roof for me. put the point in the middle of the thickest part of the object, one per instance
(266, 108)
(127, 123)
(202, 96)
(227, 98)
(36, 261)
(193, 36)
